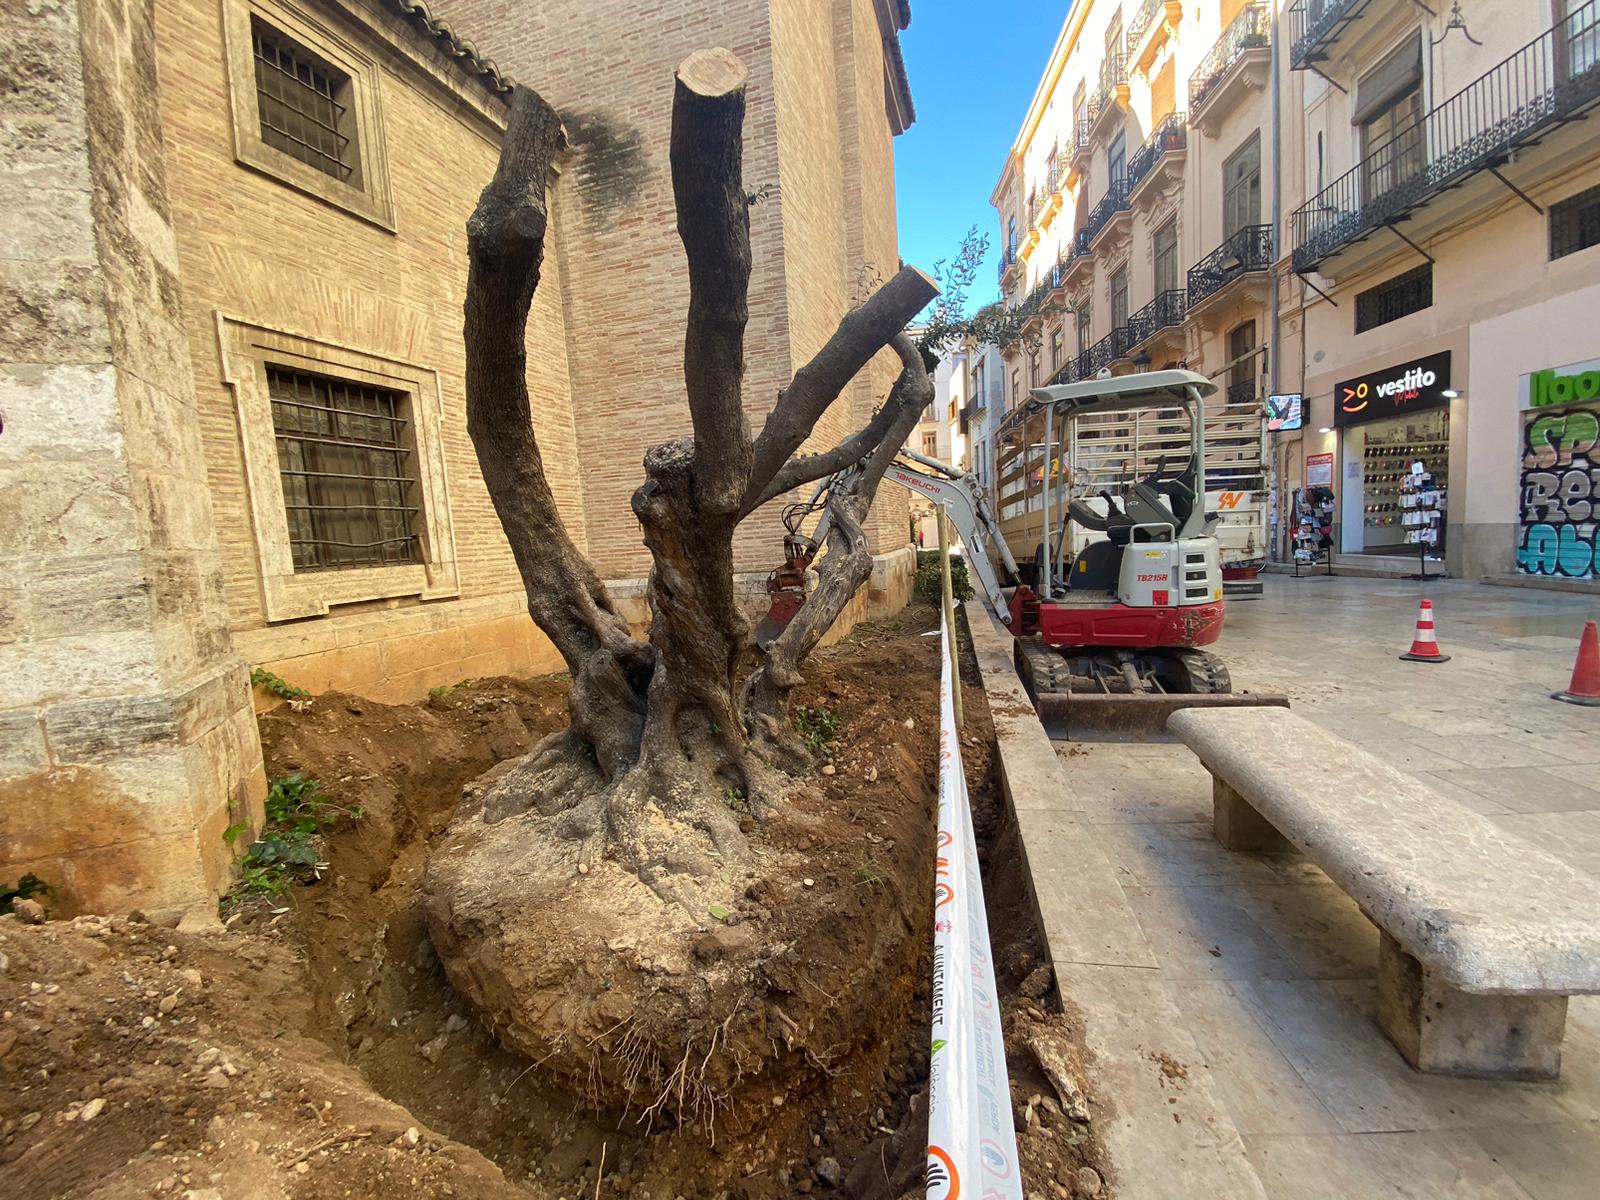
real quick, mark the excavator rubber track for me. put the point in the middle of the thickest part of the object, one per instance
(1068, 709)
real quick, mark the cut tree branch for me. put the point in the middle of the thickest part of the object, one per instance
(566, 599)
(861, 334)
(714, 224)
(848, 562)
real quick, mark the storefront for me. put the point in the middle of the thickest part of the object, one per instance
(1394, 453)
(1558, 533)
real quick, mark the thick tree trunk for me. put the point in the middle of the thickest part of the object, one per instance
(566, 599)
(660, 727)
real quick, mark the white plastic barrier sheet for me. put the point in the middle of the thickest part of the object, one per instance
(972, 1145)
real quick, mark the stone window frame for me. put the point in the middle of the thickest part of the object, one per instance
(247, 347)
(371, 200)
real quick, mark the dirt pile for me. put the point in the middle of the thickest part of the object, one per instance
(358, 1071)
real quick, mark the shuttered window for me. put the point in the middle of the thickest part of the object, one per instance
(1164, 92)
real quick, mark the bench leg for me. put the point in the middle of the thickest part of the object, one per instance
(1237, 825)
(1448, 1032)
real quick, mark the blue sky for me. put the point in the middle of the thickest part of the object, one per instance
(973, 66)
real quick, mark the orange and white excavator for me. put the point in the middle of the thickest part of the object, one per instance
(1130, 612)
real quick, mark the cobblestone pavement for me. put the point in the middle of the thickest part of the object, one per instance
(1269, 967)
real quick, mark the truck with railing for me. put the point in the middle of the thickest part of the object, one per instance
(1102, 452)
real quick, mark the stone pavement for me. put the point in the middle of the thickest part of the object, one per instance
(1255, 974)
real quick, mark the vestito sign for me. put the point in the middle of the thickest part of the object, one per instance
(1408, 387)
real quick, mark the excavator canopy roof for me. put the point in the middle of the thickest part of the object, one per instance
(1151, 389)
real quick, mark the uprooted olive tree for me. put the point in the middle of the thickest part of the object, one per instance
(570, 897)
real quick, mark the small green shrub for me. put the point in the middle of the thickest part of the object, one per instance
(297, 812)
(28, 886)
(927, 581)
(819, 726)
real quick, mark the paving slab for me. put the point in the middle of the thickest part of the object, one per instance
(1281, 1020)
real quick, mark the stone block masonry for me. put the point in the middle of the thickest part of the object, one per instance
(127, 742)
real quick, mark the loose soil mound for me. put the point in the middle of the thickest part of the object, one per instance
(316, 1048)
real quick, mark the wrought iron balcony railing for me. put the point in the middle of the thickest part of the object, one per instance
(1114, 201)
(1172, 133)
(1068, 373)
(1250, 249)
(1052, 170)
(1545, 84)
(1314, 25)
(1166, 311)
(1250, 30)
(1116, 344)
(1008, 259)
(1143, 17)
(1033, 208)
(1113, 74)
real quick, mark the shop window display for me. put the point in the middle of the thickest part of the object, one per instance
(1396, 485)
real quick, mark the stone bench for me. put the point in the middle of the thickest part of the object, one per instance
(1484, 935)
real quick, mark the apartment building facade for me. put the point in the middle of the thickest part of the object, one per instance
(1377, 215)
(1442, 212)
(1136, 225)
(231, 371)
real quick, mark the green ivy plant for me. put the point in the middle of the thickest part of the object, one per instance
(280, 687)
(288, 850)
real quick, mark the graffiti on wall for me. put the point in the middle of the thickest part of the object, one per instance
(1560, 493)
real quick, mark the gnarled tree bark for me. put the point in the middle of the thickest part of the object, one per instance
(665, 725)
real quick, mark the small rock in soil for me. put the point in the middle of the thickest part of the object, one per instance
(828, 1171)
(92, 1109)
(1037, 983)
(725, 941)
(30, 912)
(1088, 1181)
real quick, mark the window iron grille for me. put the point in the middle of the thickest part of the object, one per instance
(303, 104)
(1575, 223)
(1395, 298)
(348, 471)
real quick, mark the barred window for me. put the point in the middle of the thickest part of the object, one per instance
(304, 103)
(1575, 223)
(1395, 298)
(348, 469)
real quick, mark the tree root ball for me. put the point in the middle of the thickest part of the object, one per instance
(746, 986)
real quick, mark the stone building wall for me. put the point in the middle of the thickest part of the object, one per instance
(127, 741)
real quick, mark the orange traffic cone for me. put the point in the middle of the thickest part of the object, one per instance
(1424, 646)
(1585, 685)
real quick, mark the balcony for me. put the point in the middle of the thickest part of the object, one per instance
(1067, 373)
(1148, 30)
(1163, 315)
(1236, 66)
(1078, 267)
(1110, 95)
(1159, 160)
(1426, 174)
(1008, 266)
(1103, 217)
(1315, 25)
(1116, 345)
(1247, 253)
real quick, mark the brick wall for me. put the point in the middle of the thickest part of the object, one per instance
(608, 68)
